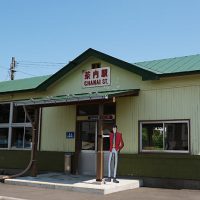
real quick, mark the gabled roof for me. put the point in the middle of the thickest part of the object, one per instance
(173, 66)
(146, 74)
(148, 70)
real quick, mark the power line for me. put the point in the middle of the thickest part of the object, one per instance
(36, 65)
(15, 65)
(39, 64)
(53, 63)
(26, 73)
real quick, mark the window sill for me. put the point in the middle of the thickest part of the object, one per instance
(21, 149)
(163, 152)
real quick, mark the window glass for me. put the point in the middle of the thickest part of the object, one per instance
(31, 113)
(96, 65)
(17, 137)
(176, 136)
(89, 109)
(21, 137)
(28, 138)
(165, 136)
(109, 108)
(4, 113)
(3, 137)
(152, 136)
(93, 109)
(87, 131)
(18, 114)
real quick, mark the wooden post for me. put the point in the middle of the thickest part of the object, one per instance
(100, 154)
(77, 149)
(34, 169)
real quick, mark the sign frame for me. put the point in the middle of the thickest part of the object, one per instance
(97, 77)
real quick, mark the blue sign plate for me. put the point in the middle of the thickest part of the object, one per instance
(70, 135)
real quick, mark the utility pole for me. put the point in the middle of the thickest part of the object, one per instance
(12, 68)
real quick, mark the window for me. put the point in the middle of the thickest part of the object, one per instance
(18, 115)
(109, 108)
(15, 128)
(4, 113)
(21, 137)
(89, 109)
(96, 65)
(21, 128)
(164, 136)
(88, 131)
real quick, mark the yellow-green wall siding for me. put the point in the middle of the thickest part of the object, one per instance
(55, 122)
(160, 104)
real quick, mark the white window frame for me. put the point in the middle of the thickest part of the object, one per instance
(164, 122)
(11, 125)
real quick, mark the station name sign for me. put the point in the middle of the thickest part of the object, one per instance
(96, 77)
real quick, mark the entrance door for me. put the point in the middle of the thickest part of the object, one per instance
(88, 145)
(88, 137)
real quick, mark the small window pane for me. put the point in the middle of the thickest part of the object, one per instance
(4, 113)
(109, 108)
(91, 109)
(30, 111)
(17, 137)
(3, 137)
(87, 131)
(28, 138)
(176, 136)
(152, 136)
(18, 114)
(96, 65)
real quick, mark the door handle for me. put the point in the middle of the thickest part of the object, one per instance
(103, 136)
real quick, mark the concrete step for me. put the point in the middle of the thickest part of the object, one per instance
(87, 185)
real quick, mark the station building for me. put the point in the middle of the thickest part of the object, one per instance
(156, 105)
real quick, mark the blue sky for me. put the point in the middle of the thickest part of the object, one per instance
(59, 30)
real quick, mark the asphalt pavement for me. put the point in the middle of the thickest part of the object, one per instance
(143, 193)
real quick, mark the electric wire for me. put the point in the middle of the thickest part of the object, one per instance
(42, 66)
(27, 64)
(39, 64)
(26, 73)
(23, 61)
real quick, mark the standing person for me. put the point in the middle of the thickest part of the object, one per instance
(116, 144)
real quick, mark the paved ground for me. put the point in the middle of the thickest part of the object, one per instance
(33, 193)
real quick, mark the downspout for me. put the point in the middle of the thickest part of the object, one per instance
(32, 162)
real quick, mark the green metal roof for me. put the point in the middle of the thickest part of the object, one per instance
(172, 65)
(26, 84)
(148, 70)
